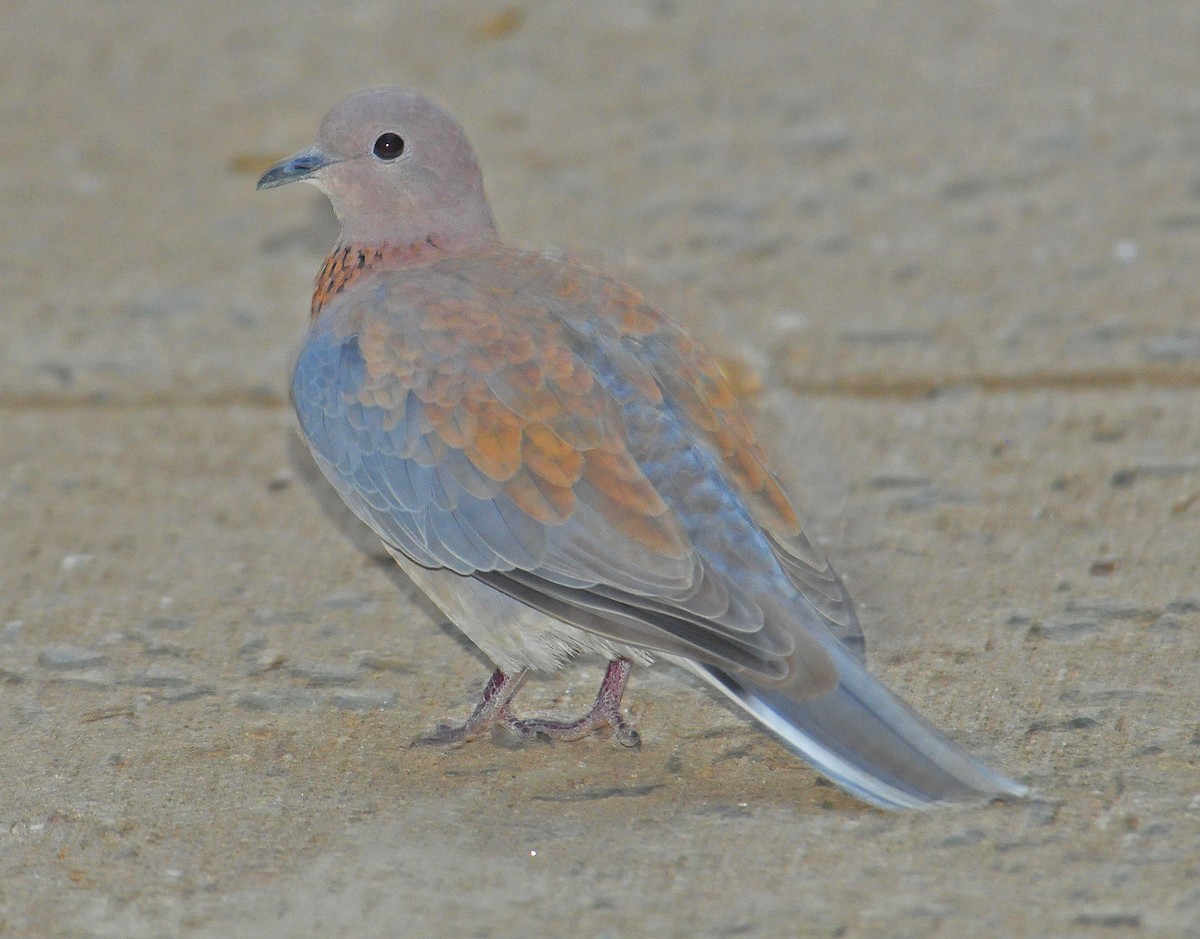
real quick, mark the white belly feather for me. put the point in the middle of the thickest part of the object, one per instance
(514, 636)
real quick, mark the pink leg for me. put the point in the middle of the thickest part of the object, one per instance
(495, 711)
(605, 715)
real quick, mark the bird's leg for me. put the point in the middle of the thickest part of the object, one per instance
(495, 711)
(492, 710)
(605, 715)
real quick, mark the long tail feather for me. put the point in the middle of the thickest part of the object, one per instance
(867, 741)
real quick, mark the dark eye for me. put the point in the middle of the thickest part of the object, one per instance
(389, 146)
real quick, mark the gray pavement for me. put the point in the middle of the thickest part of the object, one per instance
(948, 252)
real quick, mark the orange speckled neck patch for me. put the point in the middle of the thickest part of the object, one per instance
(343, 266)
(346, 263)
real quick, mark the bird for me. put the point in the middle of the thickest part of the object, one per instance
(565, 471)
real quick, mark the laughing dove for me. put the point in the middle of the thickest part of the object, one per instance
(565, 471)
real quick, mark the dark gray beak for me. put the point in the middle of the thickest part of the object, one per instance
(298, 166)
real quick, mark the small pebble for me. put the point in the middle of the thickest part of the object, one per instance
(1063, 629)
(1107, 919)
(168, 622)
(268, 661)
(348, 601)
(88, 678)
(294, 699)
(280, 617)
(188, 693)
(326, 674)
(63, 656)
(819, 140)
(1126, 251)
(354, 700)
(1110, 609)
(152, 645)
(72, 562)
(156, 676)
(382, 662)
(1082, 722)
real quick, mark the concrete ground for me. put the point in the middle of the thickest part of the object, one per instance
(948, 251)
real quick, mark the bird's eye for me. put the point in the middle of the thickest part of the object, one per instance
(389, 146)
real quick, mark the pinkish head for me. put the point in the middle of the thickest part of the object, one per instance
(398, 170)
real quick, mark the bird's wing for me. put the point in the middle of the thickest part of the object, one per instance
(692, 379)
(468, 415)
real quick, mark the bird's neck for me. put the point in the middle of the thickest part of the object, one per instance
(349, 260)
(458, 221)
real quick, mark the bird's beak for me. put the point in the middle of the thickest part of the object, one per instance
(298, 166)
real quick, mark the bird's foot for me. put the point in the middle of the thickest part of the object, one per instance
(489, 712)
(493, 713)
(604, 718)
(605, 722)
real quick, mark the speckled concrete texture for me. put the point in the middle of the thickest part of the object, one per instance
(948, 252)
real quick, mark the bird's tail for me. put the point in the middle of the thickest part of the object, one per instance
(866, 740)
